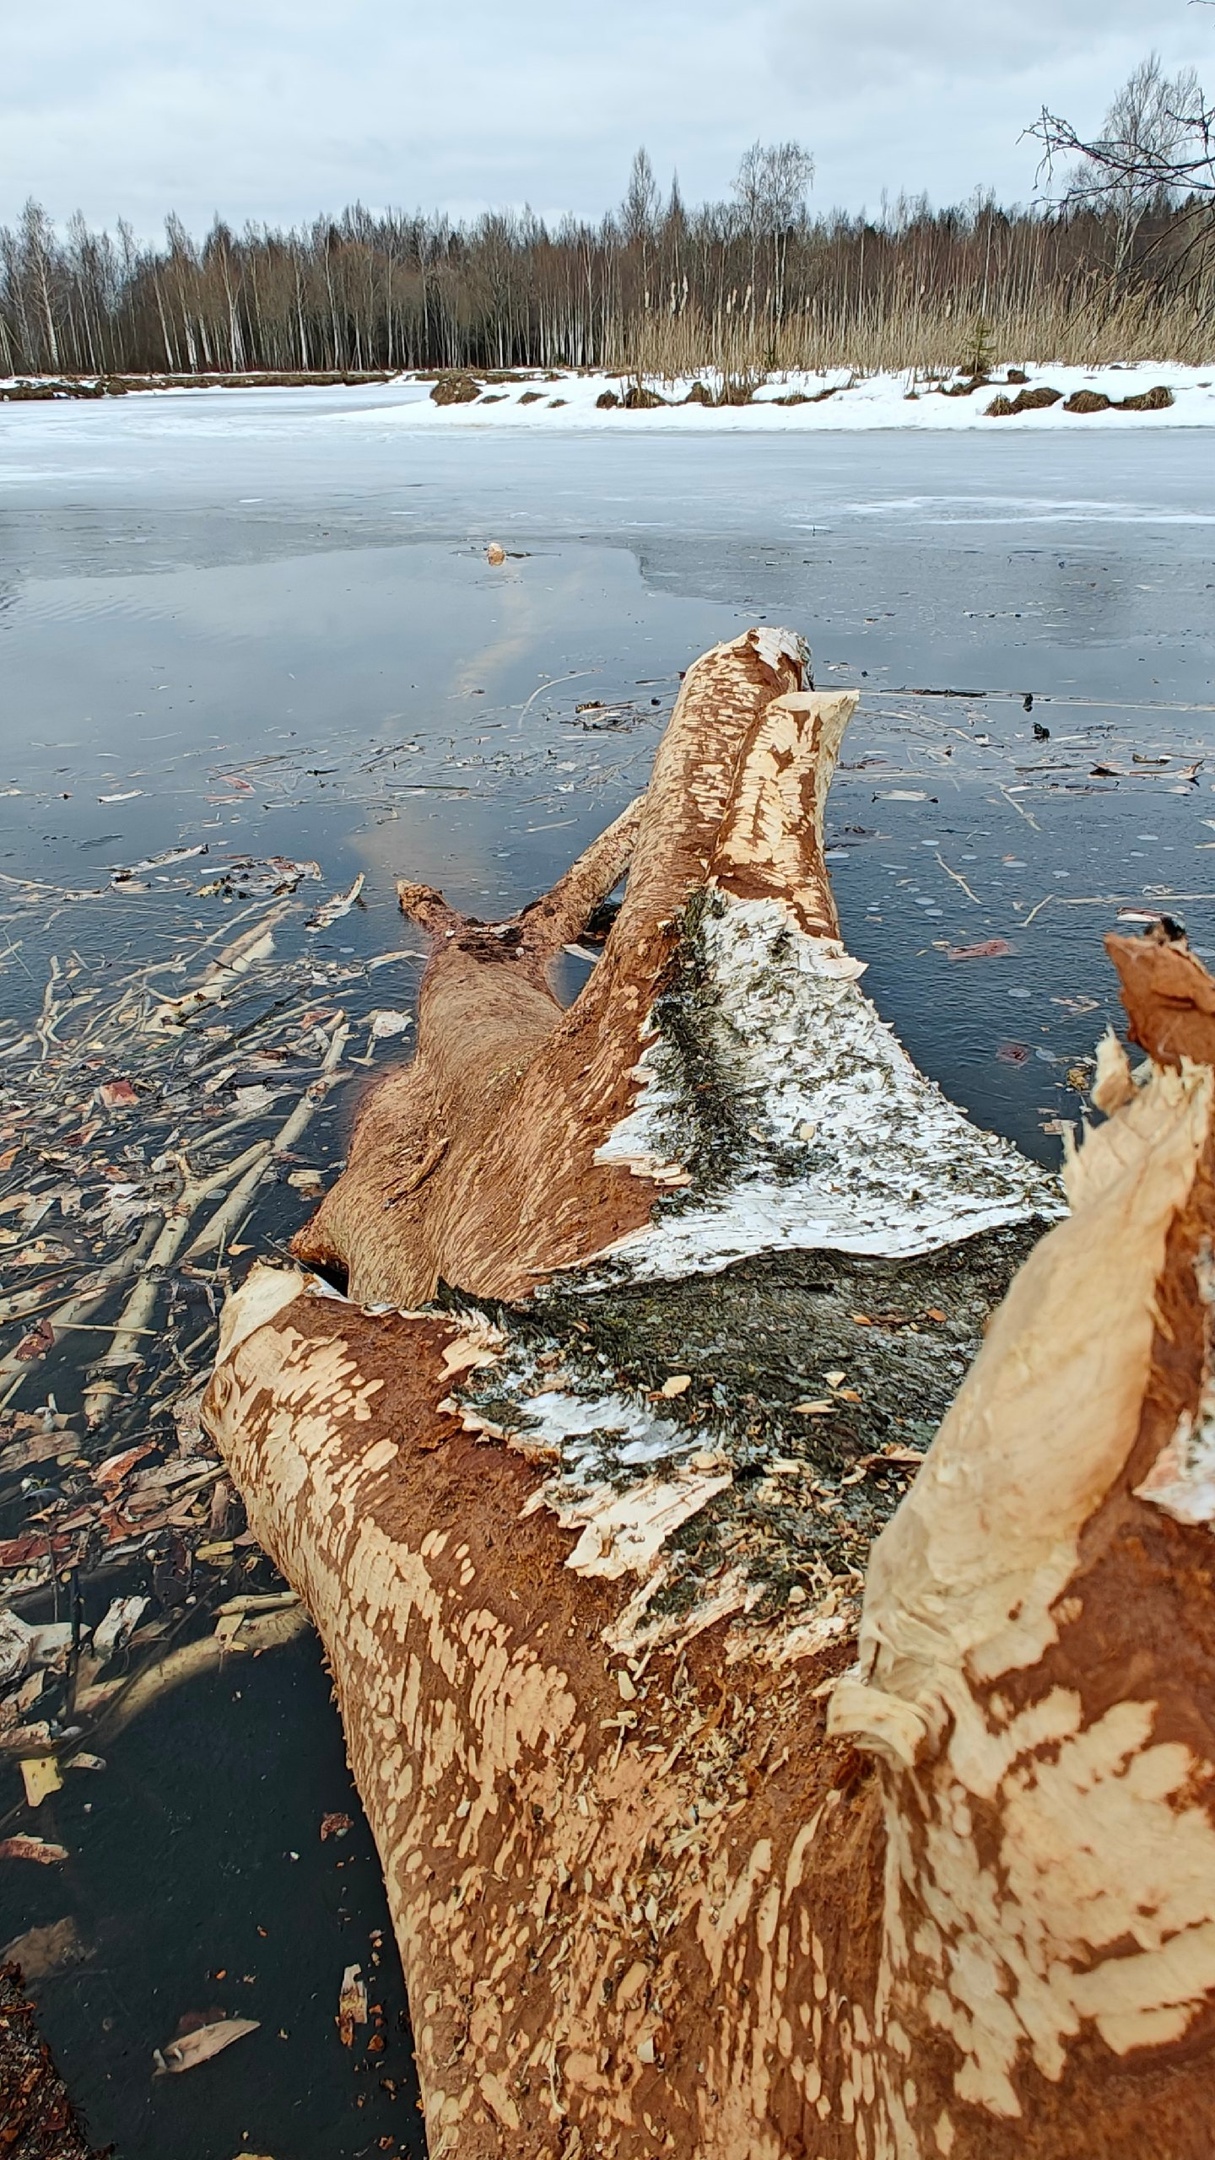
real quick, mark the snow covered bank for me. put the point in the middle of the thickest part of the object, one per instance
(837, 400)
(834, 401)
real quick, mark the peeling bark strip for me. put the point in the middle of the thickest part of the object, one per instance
(653, 1308)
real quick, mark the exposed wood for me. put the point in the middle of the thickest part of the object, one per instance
(496, 1054)
(686, 1852)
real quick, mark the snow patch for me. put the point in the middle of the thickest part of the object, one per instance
(836, 401)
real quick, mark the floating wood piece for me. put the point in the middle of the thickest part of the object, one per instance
(200, 2045)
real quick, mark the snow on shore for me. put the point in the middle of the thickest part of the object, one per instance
(835, 400)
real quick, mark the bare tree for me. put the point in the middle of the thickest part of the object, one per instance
(1150, 121)
(1158, 139)
(771, 185)
(639, 211)
(40, 252)
(639, 214)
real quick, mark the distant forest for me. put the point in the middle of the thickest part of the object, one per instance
(752, 284)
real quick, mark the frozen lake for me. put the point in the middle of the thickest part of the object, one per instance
(261, 624)
(195, 578)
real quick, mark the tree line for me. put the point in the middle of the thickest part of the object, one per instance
(1115, 268)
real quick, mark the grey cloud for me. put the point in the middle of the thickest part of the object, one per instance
(276, 111)
(954, 41)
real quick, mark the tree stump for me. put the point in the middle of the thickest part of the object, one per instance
(752, 1780)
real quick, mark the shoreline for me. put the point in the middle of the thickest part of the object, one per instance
(45, 389)
(1116, 394)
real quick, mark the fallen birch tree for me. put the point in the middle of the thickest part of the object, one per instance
(750, 1785)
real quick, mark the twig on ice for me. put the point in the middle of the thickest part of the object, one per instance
(959, 880)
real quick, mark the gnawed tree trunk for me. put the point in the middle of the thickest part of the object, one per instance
(649, 1309)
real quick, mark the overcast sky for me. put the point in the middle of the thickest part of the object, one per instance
(277, 109)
